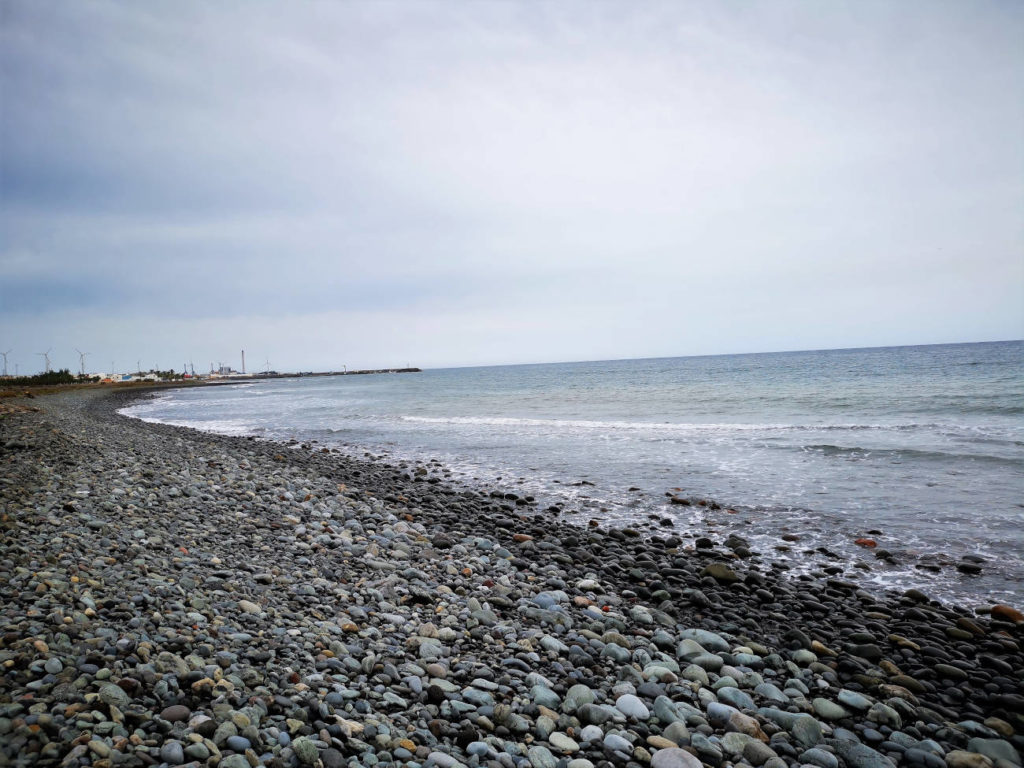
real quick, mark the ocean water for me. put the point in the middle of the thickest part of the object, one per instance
(919, 448)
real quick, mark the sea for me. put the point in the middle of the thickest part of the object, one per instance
(919, 449)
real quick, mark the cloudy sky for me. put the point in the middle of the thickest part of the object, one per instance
(454, 183)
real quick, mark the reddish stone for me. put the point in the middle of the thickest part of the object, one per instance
(1007, 613)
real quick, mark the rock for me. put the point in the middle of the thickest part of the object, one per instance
(248, 607)
(994, 749)
(114, 695)
(674, 758)
(616, 743)
(720, 572)
(820, 758)
(678, 733)
(828, 710)
(807, 731)
(563, 743)
(305, 750)
(959, 758)
(577, 696)
(172, 752)
(176, 713)
(860, 755)
(757, 753)
(1006, 613)
(631, 706)
(541, 757)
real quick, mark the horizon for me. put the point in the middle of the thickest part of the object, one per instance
(481, 184)
(305, 369)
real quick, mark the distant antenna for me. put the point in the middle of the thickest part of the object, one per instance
(5, 354)
(268, 365)
(46, 356)
(243, 361)
(81, 359)
(138, 366)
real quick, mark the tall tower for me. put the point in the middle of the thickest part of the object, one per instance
(243, 361)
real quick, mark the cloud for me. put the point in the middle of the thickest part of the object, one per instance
(477, 169)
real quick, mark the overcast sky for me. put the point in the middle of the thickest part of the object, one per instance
(458, 183)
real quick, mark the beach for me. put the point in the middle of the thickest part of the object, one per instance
(179, 597)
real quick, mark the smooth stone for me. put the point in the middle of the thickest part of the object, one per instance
(959, 758)
(576, 697)
(563, 743)
(736, 698)
(828, 710)
(772, 693)
(632, 706)
(719, 714)
(443, 760)
(677, 732)
(883, 714)
(861, 755)
(591, 733)
(806, 730)
(541, 757)
(710, 640)
(237, 743)
(176, 713)
(758, 753)
(544, 697)
(735, 742)
(616, 743)
(674, 758)
(820, 758)
(994, 749)
(854, 700)
(172, 752)
(708, 661)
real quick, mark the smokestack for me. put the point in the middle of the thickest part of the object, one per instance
(243, 361)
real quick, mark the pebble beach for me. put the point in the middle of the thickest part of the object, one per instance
(174, 597)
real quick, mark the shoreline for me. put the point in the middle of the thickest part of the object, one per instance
(875, 554)
(606, 609)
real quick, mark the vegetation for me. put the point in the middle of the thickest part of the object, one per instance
(63, 376)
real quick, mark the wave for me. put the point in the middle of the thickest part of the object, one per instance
(908, 453)
(502, 421)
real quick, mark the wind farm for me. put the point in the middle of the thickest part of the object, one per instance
(219, 372)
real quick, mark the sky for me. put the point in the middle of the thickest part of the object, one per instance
(374, 184)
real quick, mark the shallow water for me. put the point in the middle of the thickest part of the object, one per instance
(922, 445)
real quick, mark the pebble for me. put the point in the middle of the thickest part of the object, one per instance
(674, 758)
(177, 597)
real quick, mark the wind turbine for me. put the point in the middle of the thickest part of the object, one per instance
(5, 354)
(46, 356)
(81, 358)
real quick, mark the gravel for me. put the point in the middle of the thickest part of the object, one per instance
(173, 597)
